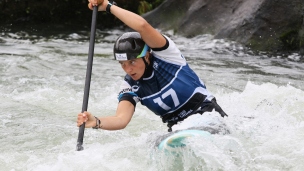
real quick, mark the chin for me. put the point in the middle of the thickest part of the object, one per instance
(135, 79)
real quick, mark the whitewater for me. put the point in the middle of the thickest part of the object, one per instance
(41, 89)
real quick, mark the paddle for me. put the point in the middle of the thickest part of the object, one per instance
(88, 77)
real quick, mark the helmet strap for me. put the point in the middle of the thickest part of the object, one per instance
(148, 69)
(146, 63)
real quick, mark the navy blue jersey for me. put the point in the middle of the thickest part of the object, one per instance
(170, 88)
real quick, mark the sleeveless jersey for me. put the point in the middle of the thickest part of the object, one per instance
(170, 88)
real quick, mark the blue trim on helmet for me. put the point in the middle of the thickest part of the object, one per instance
(143, 52)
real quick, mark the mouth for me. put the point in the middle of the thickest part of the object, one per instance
(133, 75)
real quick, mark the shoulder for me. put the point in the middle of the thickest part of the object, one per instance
(169, 52)
(126, 91)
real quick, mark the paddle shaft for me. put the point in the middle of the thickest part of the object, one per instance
(88, 77)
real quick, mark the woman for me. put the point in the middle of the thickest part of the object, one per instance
(157, 75)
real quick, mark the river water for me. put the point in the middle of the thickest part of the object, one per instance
(41, 90)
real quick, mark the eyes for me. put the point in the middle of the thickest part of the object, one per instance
(131, 62)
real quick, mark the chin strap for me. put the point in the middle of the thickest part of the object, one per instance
(146, 69)
(146, 63)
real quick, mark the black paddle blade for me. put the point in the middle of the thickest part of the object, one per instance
(79, 146)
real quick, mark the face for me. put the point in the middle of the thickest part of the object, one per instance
(135, 68)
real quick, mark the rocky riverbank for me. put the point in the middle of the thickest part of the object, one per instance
(275, 26)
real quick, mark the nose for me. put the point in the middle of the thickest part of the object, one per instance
(128, 68)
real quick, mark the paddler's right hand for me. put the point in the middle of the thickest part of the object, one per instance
(86, 117)
(102, 4)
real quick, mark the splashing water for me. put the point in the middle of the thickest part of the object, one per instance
(41, 90)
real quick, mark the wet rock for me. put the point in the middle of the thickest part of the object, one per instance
(263, 25)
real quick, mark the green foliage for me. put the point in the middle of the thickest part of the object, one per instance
(144, 7)
(291, 40)
(154, 3)
(24, 13)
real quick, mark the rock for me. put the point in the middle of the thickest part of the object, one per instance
(263, 25)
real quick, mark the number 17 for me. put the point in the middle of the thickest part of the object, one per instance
(173, 95)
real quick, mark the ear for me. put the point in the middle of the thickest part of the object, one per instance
(147, 57)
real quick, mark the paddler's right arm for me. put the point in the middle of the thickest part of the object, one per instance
(120, 120)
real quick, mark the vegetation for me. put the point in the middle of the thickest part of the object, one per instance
(291, 40)
(58, 13)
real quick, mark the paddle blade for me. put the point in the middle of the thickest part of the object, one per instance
(79, 146)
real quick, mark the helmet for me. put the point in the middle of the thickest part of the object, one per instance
(130, 46)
